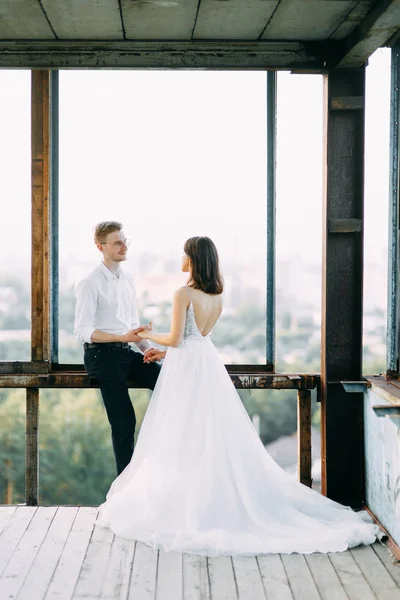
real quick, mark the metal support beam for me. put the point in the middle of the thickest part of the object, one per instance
(78, 378)
(54, 214)
(271, 218)
(379, 26)
(104, 54)
(341, 414)
(392, 352)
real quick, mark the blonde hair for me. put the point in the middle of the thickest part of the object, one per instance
(102, 230)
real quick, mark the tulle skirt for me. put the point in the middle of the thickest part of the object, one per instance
(201, 482)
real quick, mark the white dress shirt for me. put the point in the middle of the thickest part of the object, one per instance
(108, 303)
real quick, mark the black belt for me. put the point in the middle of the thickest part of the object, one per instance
(105, 345)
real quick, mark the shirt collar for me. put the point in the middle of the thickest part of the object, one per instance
(109, 275)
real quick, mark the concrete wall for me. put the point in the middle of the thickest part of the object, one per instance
(382, 465)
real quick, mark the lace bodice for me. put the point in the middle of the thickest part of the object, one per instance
(191, 330)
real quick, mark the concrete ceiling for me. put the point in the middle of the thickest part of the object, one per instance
(309, 35)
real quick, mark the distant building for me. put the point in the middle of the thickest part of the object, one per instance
(284, 452)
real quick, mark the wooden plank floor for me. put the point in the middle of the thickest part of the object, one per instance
(58, 553)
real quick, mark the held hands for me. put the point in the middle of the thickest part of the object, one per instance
(144, 333)
(133, 335)
(153, 355)
(138, 334)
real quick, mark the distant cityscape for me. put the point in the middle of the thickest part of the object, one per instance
(240, 334)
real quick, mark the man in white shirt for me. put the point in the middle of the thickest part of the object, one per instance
(106, 321)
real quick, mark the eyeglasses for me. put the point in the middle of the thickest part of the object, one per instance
(126, 242)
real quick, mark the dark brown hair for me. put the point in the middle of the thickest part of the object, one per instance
(102, 230)
(205, 274)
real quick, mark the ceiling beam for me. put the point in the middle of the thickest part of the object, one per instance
(380, 25)
(287, 55)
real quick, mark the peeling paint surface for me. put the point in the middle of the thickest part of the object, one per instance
(382, 465)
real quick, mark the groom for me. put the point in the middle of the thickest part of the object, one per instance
(106, 321)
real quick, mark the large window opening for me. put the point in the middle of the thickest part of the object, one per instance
(170, 155)
(15, 216)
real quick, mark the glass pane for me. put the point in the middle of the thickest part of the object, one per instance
(299, 223)
(170, 155)
(377, 122)
(15, 215)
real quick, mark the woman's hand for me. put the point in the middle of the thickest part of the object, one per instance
(153, 355)
(145, 333)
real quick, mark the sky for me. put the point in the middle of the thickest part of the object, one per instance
(178, 153)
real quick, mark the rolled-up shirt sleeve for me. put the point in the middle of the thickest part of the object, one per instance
(85, 310)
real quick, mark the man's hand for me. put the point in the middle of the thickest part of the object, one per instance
(132, 335)
(153, 355)
(144, 334)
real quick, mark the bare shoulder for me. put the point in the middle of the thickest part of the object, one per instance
(181, 295)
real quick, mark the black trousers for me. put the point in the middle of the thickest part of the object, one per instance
(112, 367)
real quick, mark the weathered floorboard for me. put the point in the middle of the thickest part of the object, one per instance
(390, 564)
(6, 512)
(12, 533)
(325, 577)
(144, 573)
(352, 579)
(248, 578)
(51, 553)
(196, 585)
(169, 576)
(119, 569)
(92, 575)
(382, 584)
(222, 580)
(67, 572)
(273, 575)
(299, 577)
(46, 560)
(19, 564)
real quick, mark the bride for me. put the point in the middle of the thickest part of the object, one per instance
(200, 480)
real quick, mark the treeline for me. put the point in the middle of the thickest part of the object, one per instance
(76, 461)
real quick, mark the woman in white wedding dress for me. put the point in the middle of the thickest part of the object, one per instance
(200, 480)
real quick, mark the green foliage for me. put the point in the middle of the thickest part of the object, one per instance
(76, 457)
(12, 444)
(277, 410)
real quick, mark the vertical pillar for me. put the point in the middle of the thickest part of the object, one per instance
(271, 218)
(341, 413)
(40, 145)
(304, 462)
(392, 354)
(41, 273)
(54, 212)
(32, 447)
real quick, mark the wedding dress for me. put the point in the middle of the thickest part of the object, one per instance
(200, 480)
